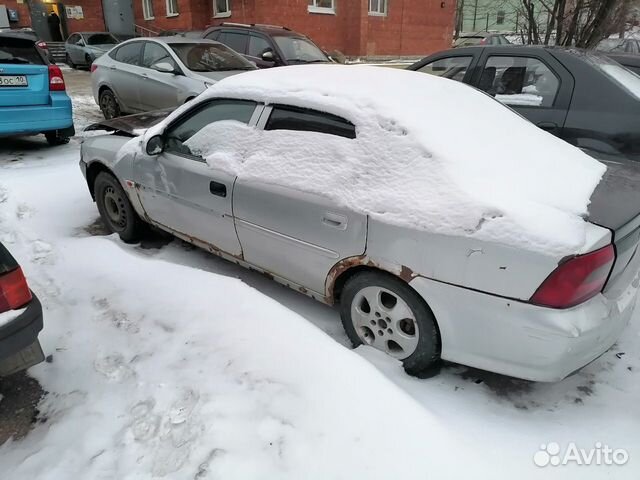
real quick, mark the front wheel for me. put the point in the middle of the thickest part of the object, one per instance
(116, 209)
(382, 311)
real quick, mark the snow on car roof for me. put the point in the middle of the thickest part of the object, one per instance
(430, 153)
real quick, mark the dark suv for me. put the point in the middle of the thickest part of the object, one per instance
(267, 45)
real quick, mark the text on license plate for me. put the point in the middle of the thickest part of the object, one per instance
(13, 81)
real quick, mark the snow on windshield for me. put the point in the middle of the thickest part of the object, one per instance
(427, 155)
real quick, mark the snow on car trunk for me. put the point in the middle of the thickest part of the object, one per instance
(161, 370)
(430, 153)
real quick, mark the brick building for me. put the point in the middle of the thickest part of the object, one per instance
(355, 27)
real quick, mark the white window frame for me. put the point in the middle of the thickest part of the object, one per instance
(314, 8)
(383, 8)
(225, 14)
(172, 13)
(147, 9)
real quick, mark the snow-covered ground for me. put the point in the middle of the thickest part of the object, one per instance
(168, 362)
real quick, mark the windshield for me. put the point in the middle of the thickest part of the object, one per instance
(204, 57)
(298, 49)
(101, 39)
(611, 45)
(13, 50)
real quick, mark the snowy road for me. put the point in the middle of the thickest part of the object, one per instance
(171, 363)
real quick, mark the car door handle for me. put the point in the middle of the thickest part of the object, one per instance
(218, 189)
(547, 126)
(335, 220)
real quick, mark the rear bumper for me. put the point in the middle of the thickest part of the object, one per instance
(57, 115)
(22, 332)
(523, 340)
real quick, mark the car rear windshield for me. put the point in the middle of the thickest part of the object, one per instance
(624, 77)
(300, 50)
(17, 50)
(205, 57)
(462, 41)
(7, 262)
(611, 45)
(101, 39)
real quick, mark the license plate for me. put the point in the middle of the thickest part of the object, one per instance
(13, 81)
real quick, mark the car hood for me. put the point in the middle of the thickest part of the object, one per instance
(132, 125)
(216, 76)
(616, 200)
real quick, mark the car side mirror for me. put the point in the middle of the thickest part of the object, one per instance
(268, 56)
(155, 145)
(163, 67)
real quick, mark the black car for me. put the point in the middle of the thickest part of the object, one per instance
(20, 319)
(582, 97)
(267, 45)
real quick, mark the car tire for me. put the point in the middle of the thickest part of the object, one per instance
(69, 62)
(55, 138)
(109, 104)
(116, 210)
(384, 312)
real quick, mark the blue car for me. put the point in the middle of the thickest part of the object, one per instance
(33, 99)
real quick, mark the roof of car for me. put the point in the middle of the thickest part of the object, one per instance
(180, 39)
(268, 29)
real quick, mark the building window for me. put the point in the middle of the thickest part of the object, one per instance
(221, 8)
(172, 8)
(147, 9)
(322, 6)
(500, 17)
(378, 7)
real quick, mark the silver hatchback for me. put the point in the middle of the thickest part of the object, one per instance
(142, 75)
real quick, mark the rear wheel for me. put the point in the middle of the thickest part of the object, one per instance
(69, 62)
(380, 310)
(109, 104)
(55, 137)
(116, 209)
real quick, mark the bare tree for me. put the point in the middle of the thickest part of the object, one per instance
(581, 23)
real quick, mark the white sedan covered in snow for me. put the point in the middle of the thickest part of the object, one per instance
(440, 237)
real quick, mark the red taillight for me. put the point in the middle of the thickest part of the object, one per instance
(576, 280)
(94, 67)
(14, 291)
(42, 44)
(56, 80)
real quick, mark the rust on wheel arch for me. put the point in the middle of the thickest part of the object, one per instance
(401, 271)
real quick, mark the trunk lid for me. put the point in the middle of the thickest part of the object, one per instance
(615, 204)
(24, 75)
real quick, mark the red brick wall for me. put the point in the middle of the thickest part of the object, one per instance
(412, 27)
(23, 13)
(93, 20)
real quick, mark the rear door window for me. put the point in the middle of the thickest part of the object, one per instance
(454, 68)
(520, 81)
(128, 53)
(234, 40)
(305, 120)
(19, 51)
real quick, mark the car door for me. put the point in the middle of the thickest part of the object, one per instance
(74, 48)
(256, 47)
(292, 234)
(125, 75)
(180, 191)
(533, 83)
(159, 89)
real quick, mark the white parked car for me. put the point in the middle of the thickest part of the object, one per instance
(142, 75)
(440, 237)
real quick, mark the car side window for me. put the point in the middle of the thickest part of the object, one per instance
(73, 38)
(154, 53)
(203, 115)
(213, 35)
(305, 120)
(235, 40)
(257, 46)
(128, 53)
(519, 81)
(453, 68)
